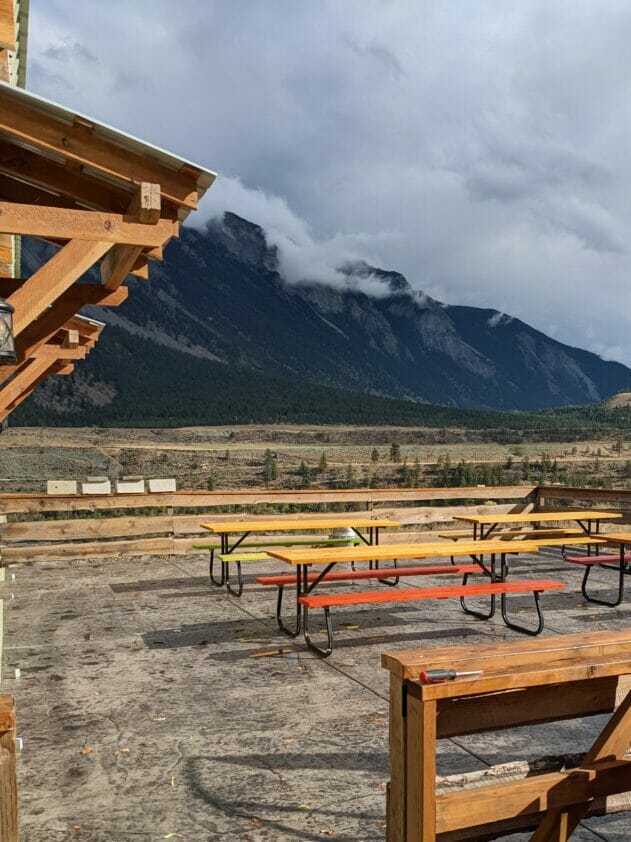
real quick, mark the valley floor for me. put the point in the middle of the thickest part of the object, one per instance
(150, 710)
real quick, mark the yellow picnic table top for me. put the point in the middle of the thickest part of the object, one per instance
(282, 524)
(616, 538)
(384, 552)
(536, 517)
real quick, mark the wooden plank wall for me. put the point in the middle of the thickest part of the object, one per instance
(78, 526)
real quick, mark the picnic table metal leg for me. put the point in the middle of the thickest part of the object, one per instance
(479, 614)
(621, 574)
(231, 590)
(279, 602)
(217, 582)
(324, 653)
(523, 629)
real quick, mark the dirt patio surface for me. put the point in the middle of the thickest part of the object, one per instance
(146, 714)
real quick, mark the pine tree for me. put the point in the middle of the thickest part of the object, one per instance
(395, 452)
(305, 474)
(270, 467)
(322, 464)
(374, 456)
(210, 483)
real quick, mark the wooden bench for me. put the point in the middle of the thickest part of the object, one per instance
(238, 558)
(617, 562)
(501, 589)
(523, 683)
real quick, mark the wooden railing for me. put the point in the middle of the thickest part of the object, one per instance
(56, 527)
(8, 784)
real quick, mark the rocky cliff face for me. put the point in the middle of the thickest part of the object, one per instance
(219, 299)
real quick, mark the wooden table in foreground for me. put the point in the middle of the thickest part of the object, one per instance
(522, 683)
(307, 524)
(588, 519)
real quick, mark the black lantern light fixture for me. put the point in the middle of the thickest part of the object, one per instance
(7, 339)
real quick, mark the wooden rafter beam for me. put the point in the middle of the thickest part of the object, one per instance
(54, 368)
(25, 375)
(121, 260)
(52, 280)
(56, 352)
(8, 26)
(64, 224)
(61, 315)
(79, 295)
(44, 131)
(12, 190)
(54, 177)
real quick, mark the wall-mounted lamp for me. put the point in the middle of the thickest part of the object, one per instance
(7, 339)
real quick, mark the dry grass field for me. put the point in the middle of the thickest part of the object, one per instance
(330, 456)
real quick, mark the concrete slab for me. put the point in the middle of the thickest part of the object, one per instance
(151, 707)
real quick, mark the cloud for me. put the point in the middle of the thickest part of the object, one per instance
(483, 155)
(302, 259)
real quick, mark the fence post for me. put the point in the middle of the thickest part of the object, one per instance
(8, 781)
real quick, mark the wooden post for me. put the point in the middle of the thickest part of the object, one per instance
(420, 797)
(8, 781)
(398, 739)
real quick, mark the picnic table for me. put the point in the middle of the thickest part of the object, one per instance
(587, 519)
(308, 524)
(365, 529)
(329, 558)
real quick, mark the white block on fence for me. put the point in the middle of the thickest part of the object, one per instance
(136, 486)
(162, 485)
(104, 487)
(61, 486)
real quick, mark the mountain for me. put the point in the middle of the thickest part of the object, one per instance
(218, 324)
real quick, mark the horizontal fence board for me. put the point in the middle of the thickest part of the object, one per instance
(94, 549)
(96, 537)
(34, 503)
(611, 496)
(85, 528)
(125, 527)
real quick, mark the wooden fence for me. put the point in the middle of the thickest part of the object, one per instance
(56, 527)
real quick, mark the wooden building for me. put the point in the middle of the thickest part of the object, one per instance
(99, 196)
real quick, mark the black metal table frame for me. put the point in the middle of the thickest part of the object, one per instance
(225, 549)
(624, 569)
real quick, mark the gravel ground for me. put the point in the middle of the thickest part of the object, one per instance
(151, 708)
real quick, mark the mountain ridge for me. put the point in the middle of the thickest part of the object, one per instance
(220, 298)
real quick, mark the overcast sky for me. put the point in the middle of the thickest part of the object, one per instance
(481, 148)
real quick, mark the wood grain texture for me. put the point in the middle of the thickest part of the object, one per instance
(52, 279)
(9, 831)
(69, 224)
(44, 131)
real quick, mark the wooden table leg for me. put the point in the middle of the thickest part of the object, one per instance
(612, 743)
(395, 818)
(421, 769)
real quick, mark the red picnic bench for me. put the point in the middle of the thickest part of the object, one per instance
(621, 562)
